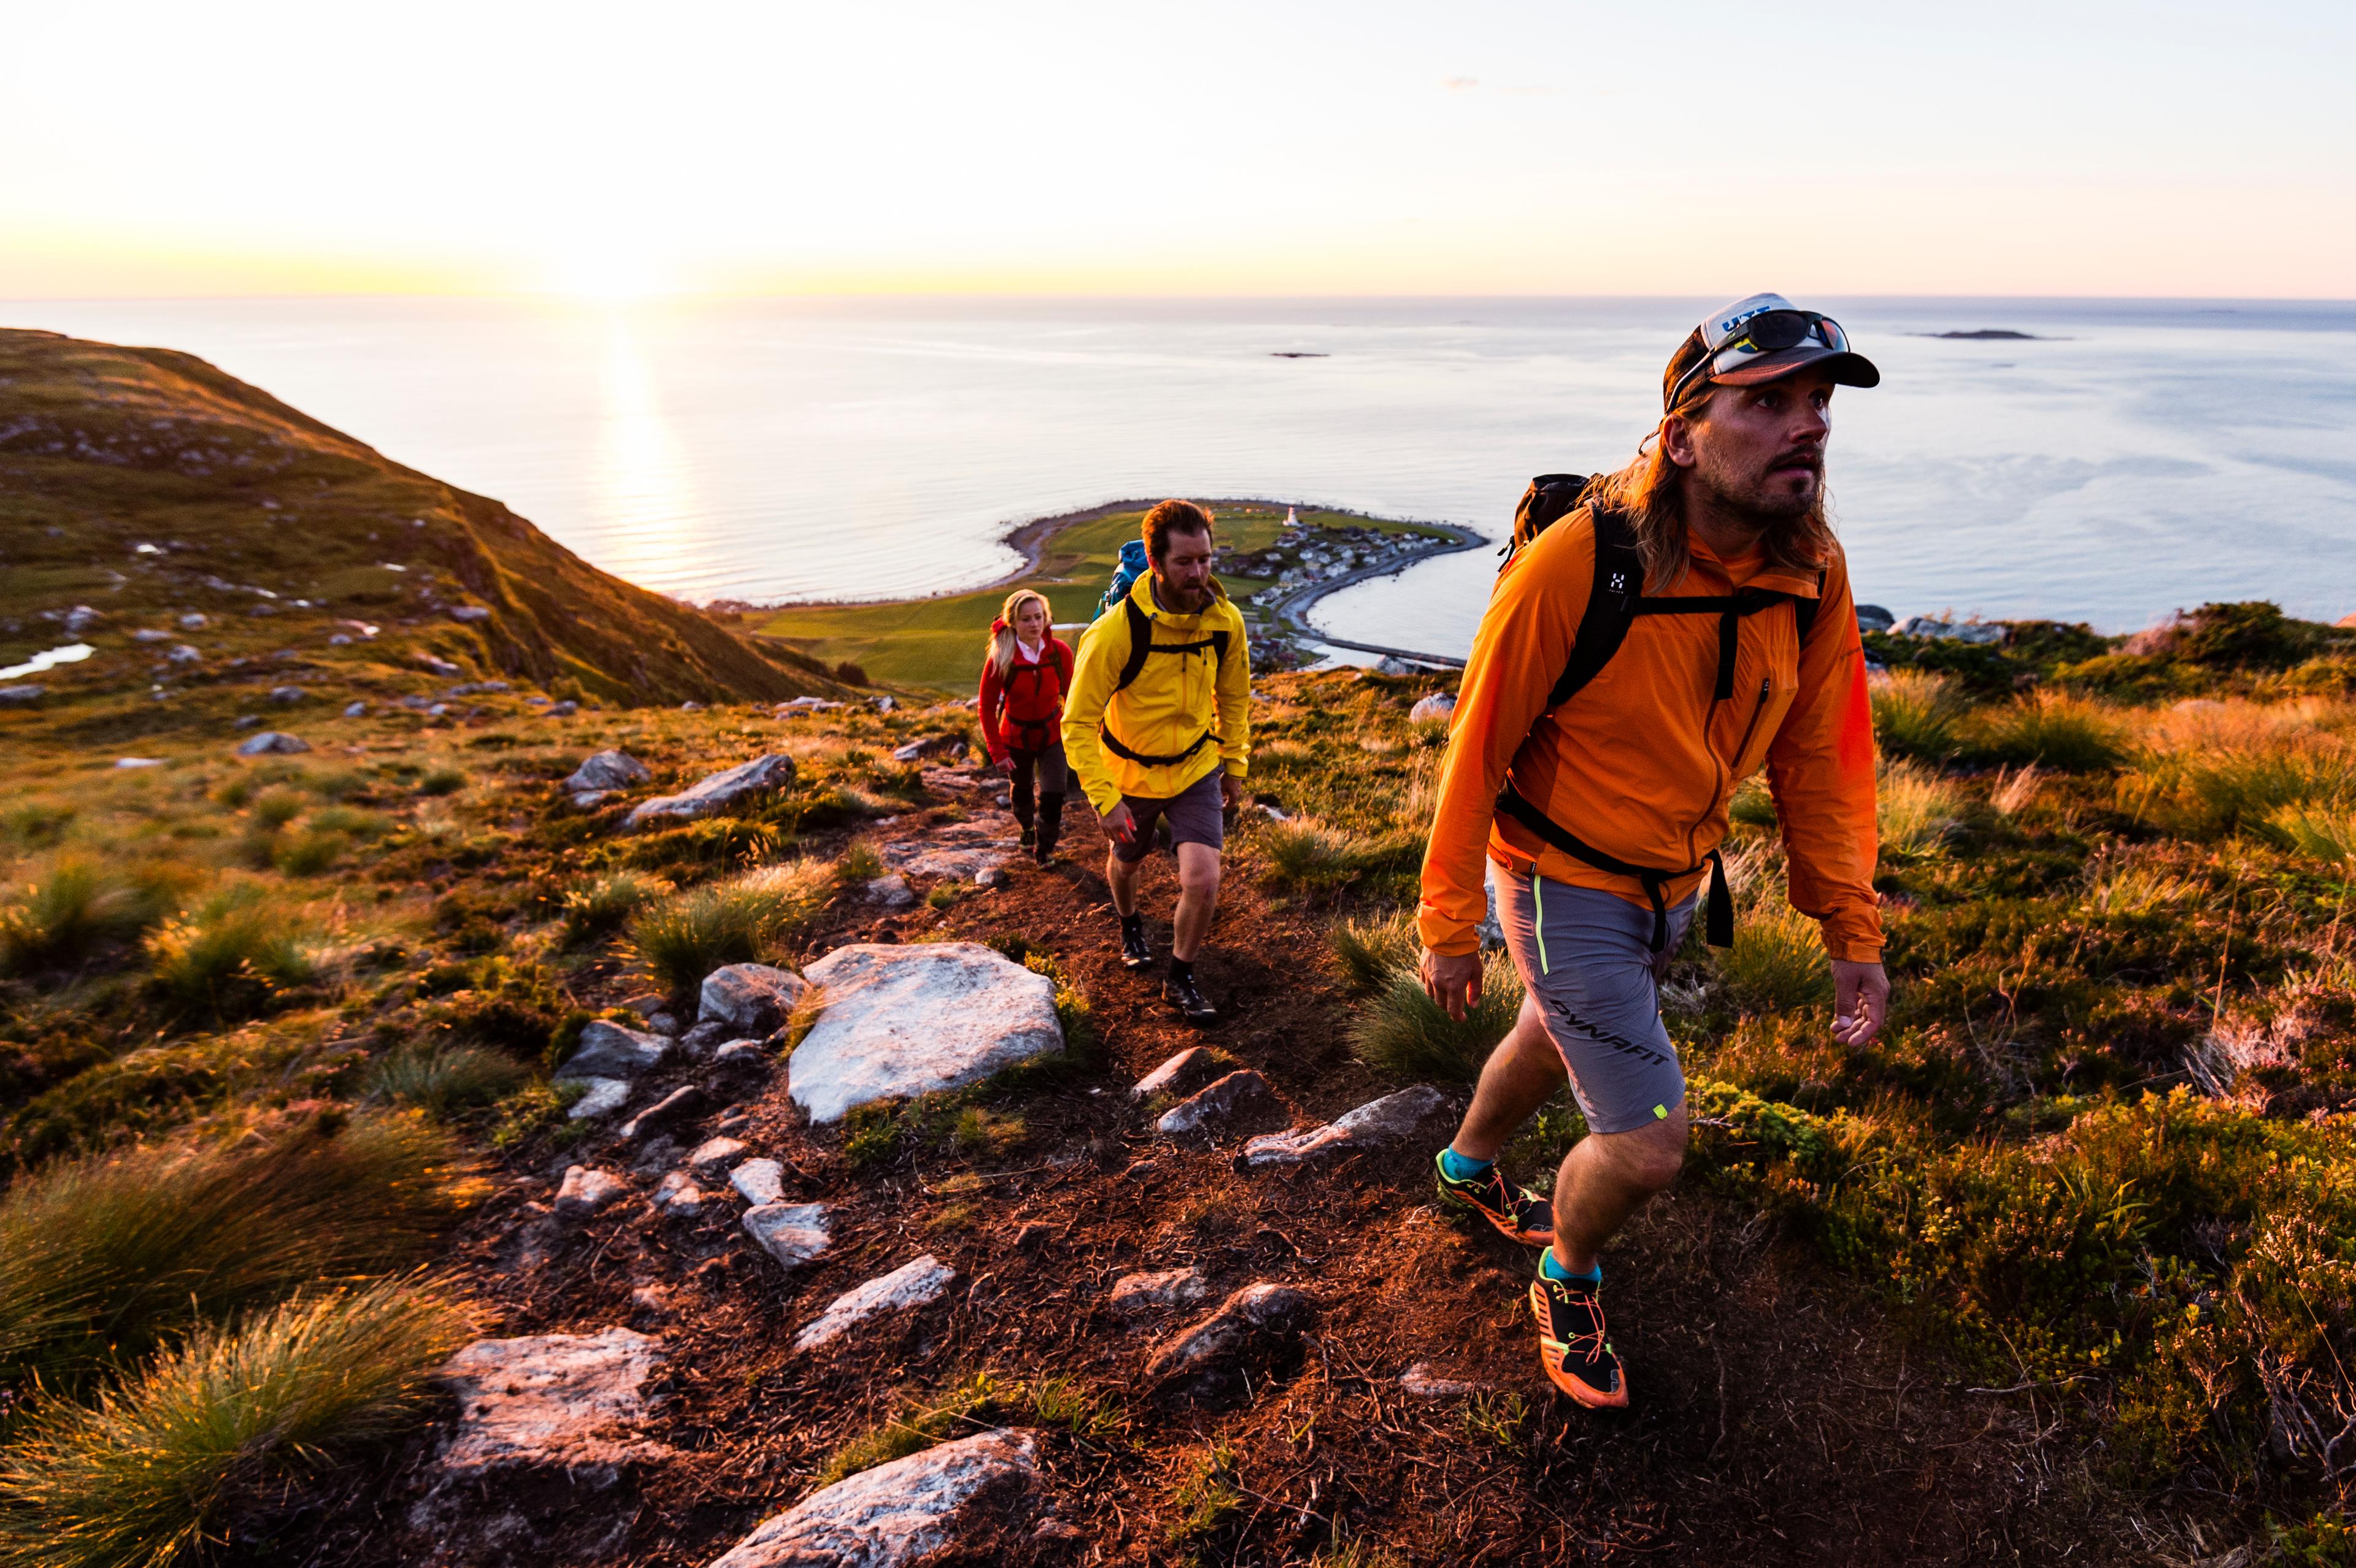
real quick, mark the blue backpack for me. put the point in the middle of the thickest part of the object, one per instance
(1133, 565)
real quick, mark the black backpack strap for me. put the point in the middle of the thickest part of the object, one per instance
(1140, 643)
(1803, 611)
(1113, 744)
(1718, 925)
(1611, 605)
(1220, 642)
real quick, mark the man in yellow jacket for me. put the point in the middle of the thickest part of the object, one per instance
(1687, 623)
(1158, 727)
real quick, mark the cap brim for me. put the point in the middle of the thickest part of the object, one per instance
(1847, 367)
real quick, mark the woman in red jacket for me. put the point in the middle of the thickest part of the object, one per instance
(1022, 684)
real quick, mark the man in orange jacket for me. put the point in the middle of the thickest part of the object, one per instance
(1591, 785)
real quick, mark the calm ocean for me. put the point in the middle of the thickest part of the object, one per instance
(2139, 456)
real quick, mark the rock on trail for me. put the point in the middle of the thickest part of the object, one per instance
(1237, 1101)
(751, 999)
(571, 1402)
(1136, 1295)
(911, 1284)
(960, 851)
(901, 1022)
(1208, 1360)
(1378, 1124)
(609, 1050)
(717, 794)
(970, 1501)
(793, 1234)
(585, 1192)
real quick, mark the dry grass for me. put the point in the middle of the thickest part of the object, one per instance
(1914, 810)
(741, 920)
(142, 1475)
(1402, 1033)
(1918, 714)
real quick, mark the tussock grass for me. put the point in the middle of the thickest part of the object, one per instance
(1307, 854)
(310, 852)
(1777, 963)
(143, 1474)
(233, 957)
(444, 1080)
(102, 1257)
(1918, 714)
(2212, 770)
(1914, 810)
(983, 1400)
(1368, 950)
(67, 912)
(604, 905)
(2325, 835)
(1283, 757)
(1401, 1032)
(685, 937)
(2069, 734)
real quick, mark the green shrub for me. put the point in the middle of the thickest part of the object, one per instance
(2052, 730)
(688, 936)
(308, 853)
(1753, 805)
(66, 914)
(275, 807)
(38, 826)
(1777, 962)
(1918, 714)
(104, 1256)
(143, 1474)
(446, 1079)
(2325, 835)
(442, 780)
(231, 958)
(1369, 951)
(1401, 1032)
(602, 905)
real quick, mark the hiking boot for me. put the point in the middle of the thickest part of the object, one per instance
(1181, 992)
(1573, 1344)
(1045, 854)
(1134, 952)
(1029, 839)
(1519, 1212)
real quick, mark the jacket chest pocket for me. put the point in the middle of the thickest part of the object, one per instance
(1766, 681)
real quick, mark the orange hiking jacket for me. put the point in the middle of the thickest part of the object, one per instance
(1641, 762)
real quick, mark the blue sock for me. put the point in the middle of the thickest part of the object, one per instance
(1549, 1269)
(1459, 1168)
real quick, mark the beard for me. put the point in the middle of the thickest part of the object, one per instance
(1185, 601)
(1764, 497)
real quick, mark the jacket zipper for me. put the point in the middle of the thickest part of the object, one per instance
(1722, 765)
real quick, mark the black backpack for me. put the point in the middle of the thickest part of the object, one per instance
(1613, 602)
(1141, 646)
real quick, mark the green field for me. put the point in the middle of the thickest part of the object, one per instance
(936, 643)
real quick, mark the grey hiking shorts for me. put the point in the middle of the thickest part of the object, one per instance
(1586, 956)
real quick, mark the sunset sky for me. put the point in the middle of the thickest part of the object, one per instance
(2054, 148)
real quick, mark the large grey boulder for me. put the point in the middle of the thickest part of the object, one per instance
(906, 1021)
(1378, 1124)
(793, 1234)
(573, 1403)
(970, 1501)
(751, 999)
(719, 793)
(606, 770)
(1229, 1105)
(911, 1284)
(609, 1050)
(269, 741)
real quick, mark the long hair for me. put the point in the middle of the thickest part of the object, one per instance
(1000, 645)
(1650, 492)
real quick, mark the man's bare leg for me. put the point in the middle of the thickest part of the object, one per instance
(1520, 1075)
(1120, 876)
(1198, 899)
(1606, 1178)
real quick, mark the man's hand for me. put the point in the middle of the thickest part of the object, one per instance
(1453, 982)
(1231, 790)
(1119, 825)
(1860, 1001)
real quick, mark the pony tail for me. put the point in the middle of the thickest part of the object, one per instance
(998, 647)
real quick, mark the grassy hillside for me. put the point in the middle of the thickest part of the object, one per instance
(936, 642)
(147, 486)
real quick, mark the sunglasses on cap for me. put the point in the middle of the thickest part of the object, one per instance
(1769, 332)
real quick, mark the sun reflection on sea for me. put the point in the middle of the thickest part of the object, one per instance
(642, 490)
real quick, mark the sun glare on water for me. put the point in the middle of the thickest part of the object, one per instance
(607, 278)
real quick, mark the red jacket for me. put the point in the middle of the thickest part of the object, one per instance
(1031, 698)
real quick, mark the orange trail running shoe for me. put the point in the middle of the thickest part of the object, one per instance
(1574, 1346)
(1516, 1210)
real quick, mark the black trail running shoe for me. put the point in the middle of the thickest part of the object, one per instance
(1134, 953)
(1030, 838)
(1574, 1346)
(1516, 1210)
(1181, 992)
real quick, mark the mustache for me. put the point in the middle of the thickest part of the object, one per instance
(1811, 458)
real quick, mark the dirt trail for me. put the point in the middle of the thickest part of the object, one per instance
(1776, 1419)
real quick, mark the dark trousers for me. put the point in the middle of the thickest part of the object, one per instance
(1046, 773)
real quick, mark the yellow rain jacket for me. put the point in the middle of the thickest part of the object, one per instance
(1177, 699)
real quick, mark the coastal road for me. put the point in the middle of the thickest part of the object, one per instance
(1291, 614)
